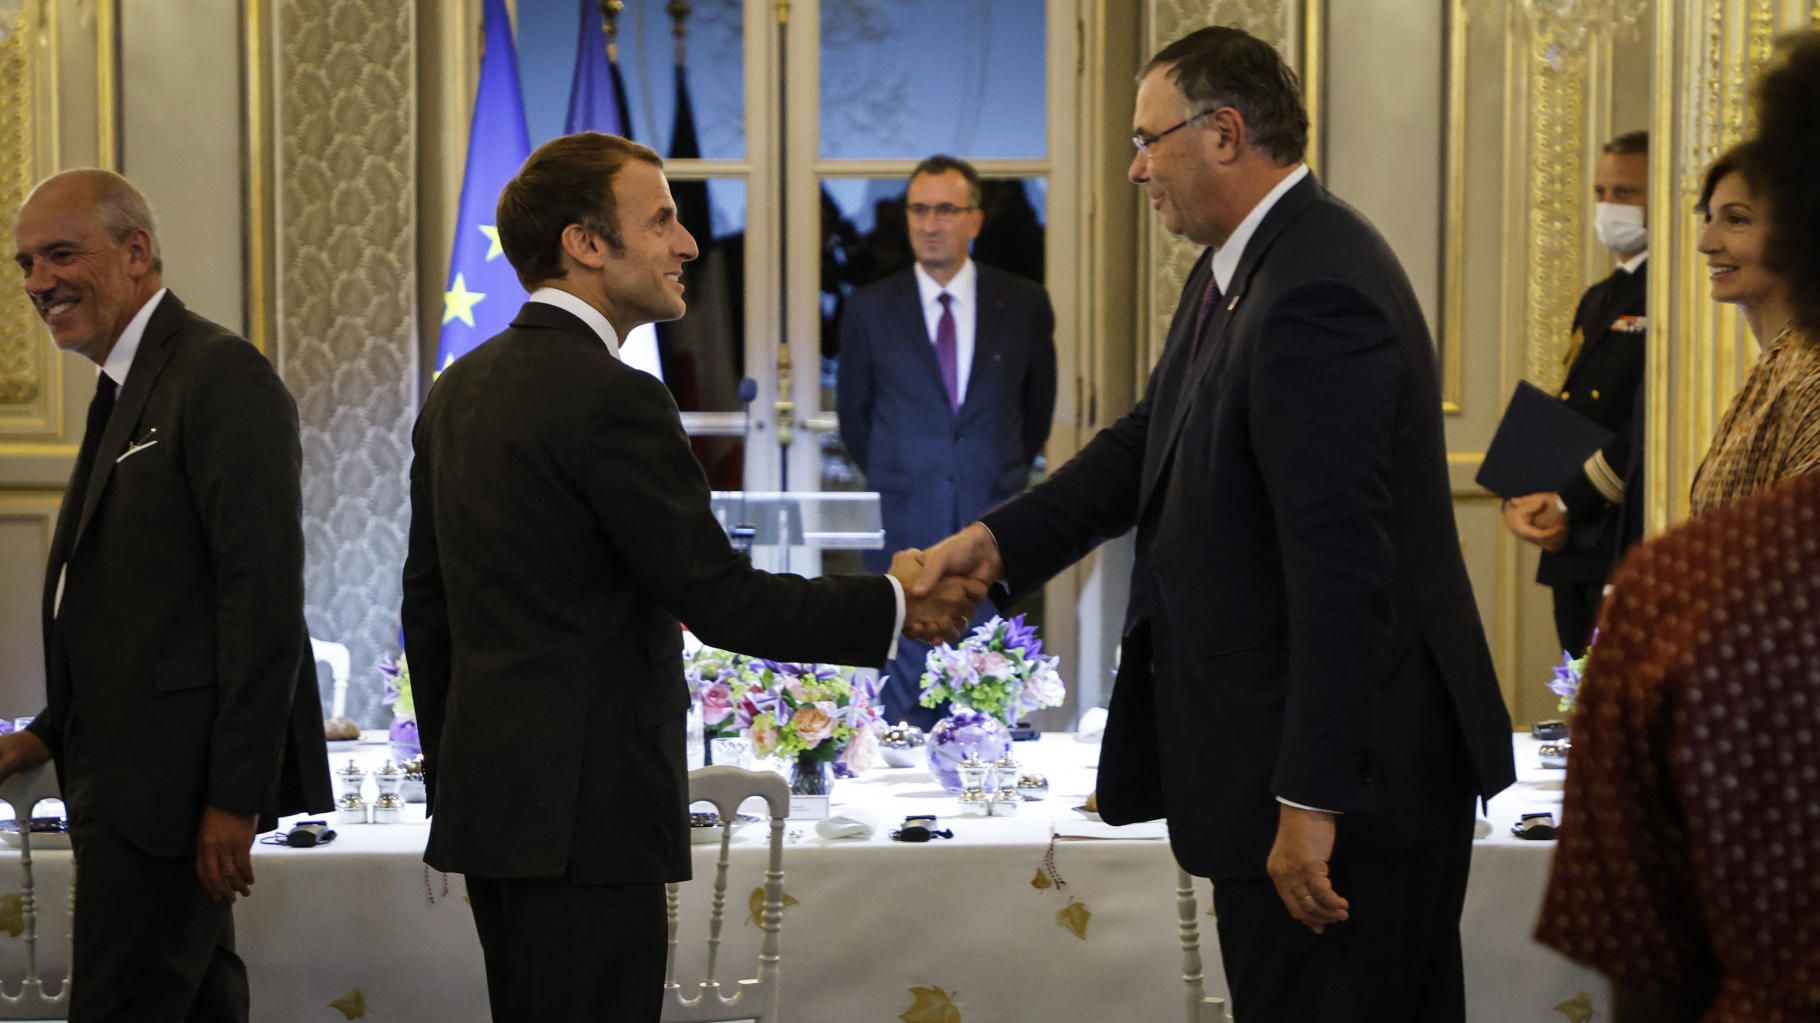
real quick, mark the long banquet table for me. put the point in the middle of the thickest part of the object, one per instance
(363, 923)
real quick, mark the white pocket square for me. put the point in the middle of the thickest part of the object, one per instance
(135, 449)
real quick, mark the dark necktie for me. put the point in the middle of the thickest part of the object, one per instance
(99, 410)
(1209, 296)
(946, 352)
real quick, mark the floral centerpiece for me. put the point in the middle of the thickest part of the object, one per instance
(808, 715)
(716, 680)
(406, 743)
(1566, 683)
(996, 676)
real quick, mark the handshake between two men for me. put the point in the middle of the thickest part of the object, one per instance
(944, 584)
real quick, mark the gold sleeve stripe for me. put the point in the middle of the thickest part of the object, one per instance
(1608, 483)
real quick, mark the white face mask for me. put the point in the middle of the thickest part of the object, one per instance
(1620, 227)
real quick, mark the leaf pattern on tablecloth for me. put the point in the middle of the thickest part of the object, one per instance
(1577, 1009)
(756, 904)
(1074, 917)
(353, 1005)
(1041, 880)
(12, 913)
(931, 1005)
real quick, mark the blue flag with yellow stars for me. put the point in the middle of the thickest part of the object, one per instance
(483, 293)
(597, 95)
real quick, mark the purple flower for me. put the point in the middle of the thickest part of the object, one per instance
(1019, 636)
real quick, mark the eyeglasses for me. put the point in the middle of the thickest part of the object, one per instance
(941, 211)
(1146, 143)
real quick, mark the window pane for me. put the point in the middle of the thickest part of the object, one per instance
(714, 56)
(865, 238)
(941, 76)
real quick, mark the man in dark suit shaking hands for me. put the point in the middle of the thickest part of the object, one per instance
(1305, 689)
(182, 705)
(946, 387)
(560, 528)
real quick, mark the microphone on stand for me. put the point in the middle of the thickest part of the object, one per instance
(742, 532)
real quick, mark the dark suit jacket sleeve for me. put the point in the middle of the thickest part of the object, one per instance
(1090, 499)
(1039, 382)
(243, 459)
(652, 501)
(425, 614)
(1323, 418)
(854, 385)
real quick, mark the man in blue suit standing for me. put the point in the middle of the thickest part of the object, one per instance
(946, 387)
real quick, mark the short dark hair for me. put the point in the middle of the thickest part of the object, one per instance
(567, 180)
(1220, 66)
(1789, 162)
(942, 163)
(1744, 159)
(1631, 143)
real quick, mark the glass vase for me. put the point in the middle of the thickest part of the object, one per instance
(404, 738)
(810, 775)
(962, 732)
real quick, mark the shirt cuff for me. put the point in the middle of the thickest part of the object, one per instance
(897, 593)
(1305, 806)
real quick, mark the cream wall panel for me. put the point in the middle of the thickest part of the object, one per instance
(26, 521)
(181, 142)
(1384, 128)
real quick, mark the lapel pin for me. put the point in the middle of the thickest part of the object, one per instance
(1234, 304)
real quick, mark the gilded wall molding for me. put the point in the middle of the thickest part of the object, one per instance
(346, 306)
(1289, 25)
(1557, 80)
(22, 356)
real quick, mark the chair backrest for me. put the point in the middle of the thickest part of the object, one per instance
(1201, 1008)
(22, 792)
(341, 665)
(753, 998)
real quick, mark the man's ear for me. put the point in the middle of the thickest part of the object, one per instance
(584, 247)
(1228, 125)
(139, 247)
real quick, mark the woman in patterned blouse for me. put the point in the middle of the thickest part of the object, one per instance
(1771, 432)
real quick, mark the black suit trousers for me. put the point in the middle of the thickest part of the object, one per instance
(1396, 959)
(151, 946)
(1576, 612)
(562, 952)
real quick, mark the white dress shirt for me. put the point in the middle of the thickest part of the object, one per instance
(964, 288)
(610, 337)
(1630, 265)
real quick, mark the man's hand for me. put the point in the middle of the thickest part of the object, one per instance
(1536, 518)
(972, 553)
(941, 615)
(1298, 866)
(21, 751)
(224, 858)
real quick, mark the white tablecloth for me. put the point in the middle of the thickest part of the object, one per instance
(871, 919)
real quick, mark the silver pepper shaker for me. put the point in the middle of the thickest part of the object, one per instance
(1005, 797)
(390, 804)
(973, 772)
(974, 803)
(350, 805)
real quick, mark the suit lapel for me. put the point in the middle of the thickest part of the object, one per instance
(913, 328)
(1614, 295)
(987, 344)
(155, 349)
(1213, 350)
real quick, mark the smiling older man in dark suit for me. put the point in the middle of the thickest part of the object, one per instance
(1305, 690)
(182, 706)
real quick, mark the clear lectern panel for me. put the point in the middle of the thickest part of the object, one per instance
(783, 528)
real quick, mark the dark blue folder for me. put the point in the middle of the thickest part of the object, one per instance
(1539, 446)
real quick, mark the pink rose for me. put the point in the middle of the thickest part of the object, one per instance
(764, 738)
(716, 703)
(814, 722)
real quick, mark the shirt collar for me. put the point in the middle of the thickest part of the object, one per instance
(1226, 257)
(1630, 265)
(583, 311)
(963, 286)
(120, 360)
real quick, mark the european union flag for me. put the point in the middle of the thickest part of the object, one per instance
(483, 293)
(597, 95)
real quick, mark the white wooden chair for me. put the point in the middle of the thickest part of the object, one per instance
(341, 665)
(753, 998)
(1202, 1008)
(22, 792)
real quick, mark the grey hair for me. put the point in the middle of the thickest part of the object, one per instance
(120, 208)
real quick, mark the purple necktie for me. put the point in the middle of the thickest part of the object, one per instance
(945, 352)
(1209, 296)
